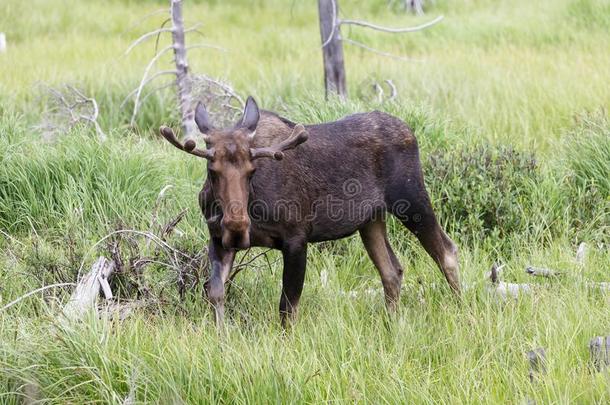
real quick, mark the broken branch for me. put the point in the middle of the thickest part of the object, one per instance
(379, 52)
(392, 30)
(145, 37)
(71, 105)
(150, 79)
(144, 80)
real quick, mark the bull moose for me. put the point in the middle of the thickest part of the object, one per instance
(274, 183)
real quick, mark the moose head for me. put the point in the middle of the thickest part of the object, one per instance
(230, 154)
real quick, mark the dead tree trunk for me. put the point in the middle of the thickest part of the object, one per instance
(332, 43)
(332, 48)
(182, 77)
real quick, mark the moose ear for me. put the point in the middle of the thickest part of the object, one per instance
(251, 115)
(202, 119)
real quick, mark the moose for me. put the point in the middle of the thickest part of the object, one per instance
(274, 183)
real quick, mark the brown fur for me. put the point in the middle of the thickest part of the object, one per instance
(344, 179)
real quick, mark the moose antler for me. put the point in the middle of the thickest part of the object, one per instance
(298, 136)
(189, 146)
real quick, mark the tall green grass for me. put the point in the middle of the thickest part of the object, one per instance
(340, 350)
(516, 167)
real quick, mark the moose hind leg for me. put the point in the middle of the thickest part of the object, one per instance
(376, 242)
(417, 215)
(293, 278)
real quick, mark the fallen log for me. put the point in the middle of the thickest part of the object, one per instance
(542, 272)
(502, 289)
(546, 272)
(88, 288)
(511, 290)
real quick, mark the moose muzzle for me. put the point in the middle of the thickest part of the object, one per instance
(235, 232)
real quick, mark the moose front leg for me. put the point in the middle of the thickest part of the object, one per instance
(295, 262)
(221, 261)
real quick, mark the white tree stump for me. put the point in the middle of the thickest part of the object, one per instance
(88, 288)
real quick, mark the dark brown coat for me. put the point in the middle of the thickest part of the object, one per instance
(343, 179)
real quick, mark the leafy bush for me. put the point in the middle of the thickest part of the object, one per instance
(481, 190)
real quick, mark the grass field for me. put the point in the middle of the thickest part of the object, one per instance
(509, 101)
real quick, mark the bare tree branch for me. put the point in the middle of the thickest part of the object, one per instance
(392, 30)
(393, 91)
(183, 78)
(145, 37)
(379, 52)
(143, 81)
(140, 21)
(159, 35)
(332, 48)
(195, 28)
(68, 107)
(183, 83)
(222, 101)
(93, 118)
(155, 90)
(150, 79)
(225, 87)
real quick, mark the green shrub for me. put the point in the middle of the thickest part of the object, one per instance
(480, 191)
